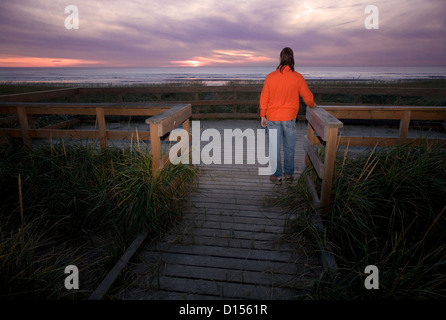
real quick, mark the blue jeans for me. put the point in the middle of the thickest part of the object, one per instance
(286, 132)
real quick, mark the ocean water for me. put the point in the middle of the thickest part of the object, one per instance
(208, 75)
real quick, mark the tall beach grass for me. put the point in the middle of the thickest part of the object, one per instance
(388, 210)
(72, 204)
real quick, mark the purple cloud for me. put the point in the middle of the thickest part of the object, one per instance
(160, 33)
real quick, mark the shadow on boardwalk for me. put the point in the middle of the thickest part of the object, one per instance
(230, 244)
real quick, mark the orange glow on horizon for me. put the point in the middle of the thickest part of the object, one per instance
(30, 62)
(223, 57)
(188, 63)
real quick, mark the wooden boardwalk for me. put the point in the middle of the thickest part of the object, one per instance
(230, 244)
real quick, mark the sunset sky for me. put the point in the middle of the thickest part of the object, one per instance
(163, 33)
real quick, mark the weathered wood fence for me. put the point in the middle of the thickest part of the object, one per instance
(163, 118)
(323, 127)
(168, 107)
(221, 102)
(404, 114)
(326, 126)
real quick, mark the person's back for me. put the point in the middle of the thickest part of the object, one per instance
(280, 95)
(279, 106)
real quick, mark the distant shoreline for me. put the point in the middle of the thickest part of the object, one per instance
(212, 76)
(9, 87)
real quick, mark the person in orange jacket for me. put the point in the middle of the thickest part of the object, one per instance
(279, 106)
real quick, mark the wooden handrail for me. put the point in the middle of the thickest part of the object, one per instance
(326, 127)
(163, 119)
(162, 124)
(323, 125)
(232, 99)
(39, 95)
(404, 114)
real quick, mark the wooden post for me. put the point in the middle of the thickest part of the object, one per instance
(186, 126)
(326, 125)
(100, 118)
(404, 126)
(155, 148)
(235, 103)
(330, 157)
(310, 136)
(24, 126)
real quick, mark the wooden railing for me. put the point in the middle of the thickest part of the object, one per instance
(326, 126)
(226, 101)
(163, 119)
(404, 114)
(164, 116)
(323, 130)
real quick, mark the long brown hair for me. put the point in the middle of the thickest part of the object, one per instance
(286, 59)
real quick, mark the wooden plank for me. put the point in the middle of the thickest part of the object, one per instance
(329, 162)
(235, 212)
(380, 91)
(254, 227)
(127, 135)
(419, 114)
(210, 103)
(170, 119)
(312, 191)
(227, 275)
(225, 116)
(328, 260)
(24, 126)
(220, 197)
(322, 121)
(386, 112)
(39, 95)
(229, 263)
(77, 134)
(226, 188)
(12, 133)
(367, 114)
(62, 133)
(257, 89)
(8, 120)
(239, 219)
(404, 126)
(102, 130)
(111, 277)
(155, 148)
(63, 124)
(128, 109)
(267, 244)
(215, 251)
(231, 235)
(224, 289)
(368, 141)
(317, 163)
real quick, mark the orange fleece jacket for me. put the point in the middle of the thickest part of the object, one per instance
(279, 100)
